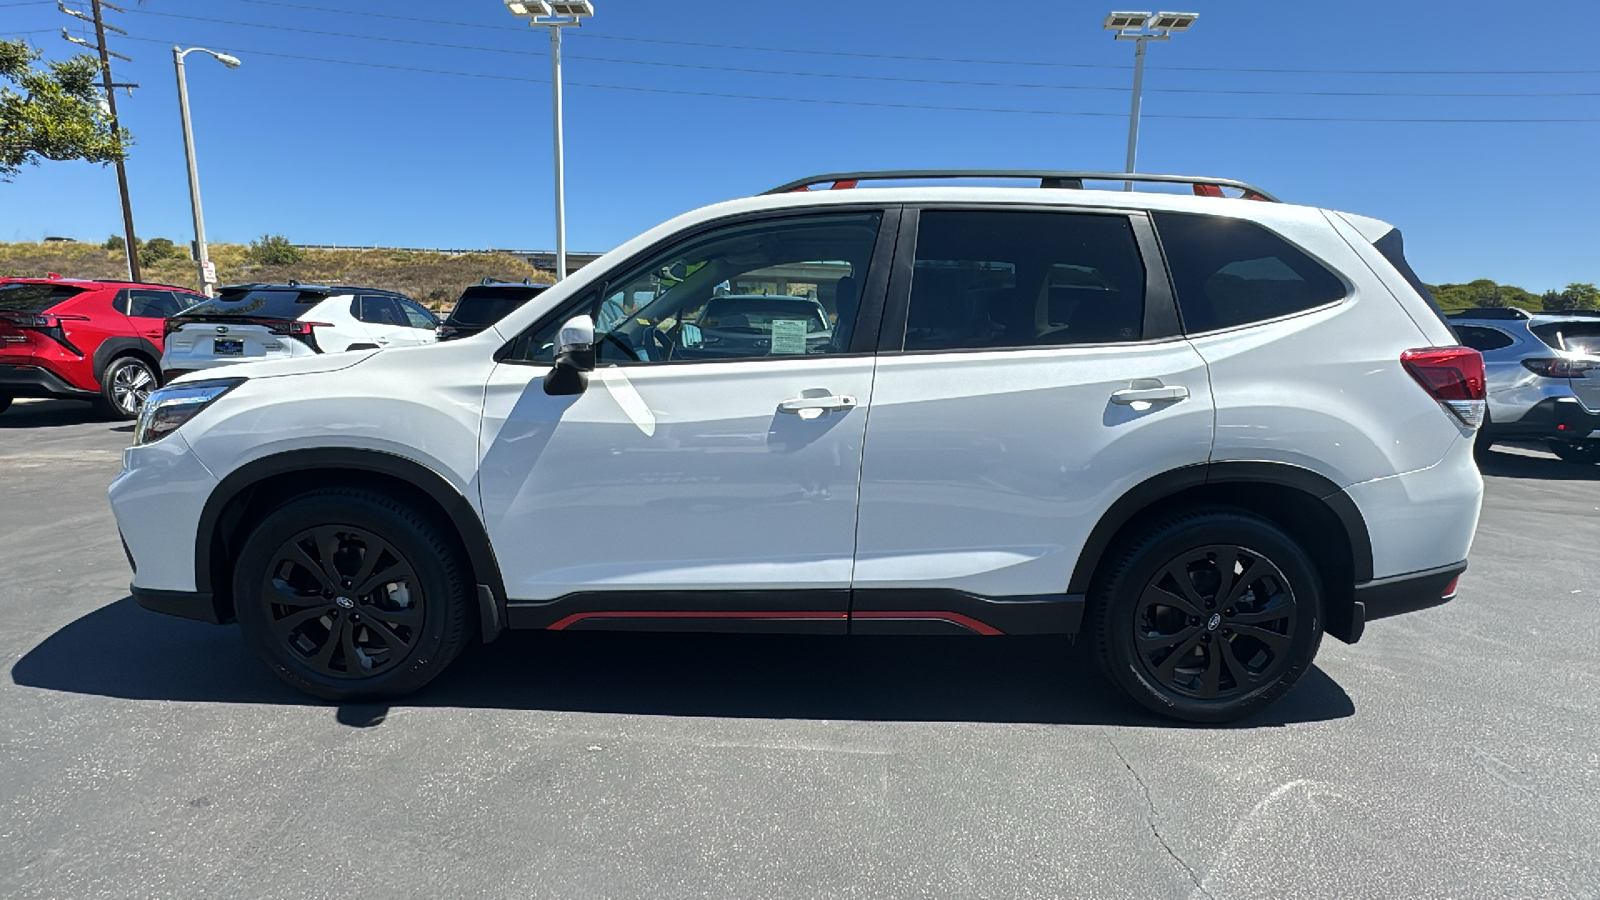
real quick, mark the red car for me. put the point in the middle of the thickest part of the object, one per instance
(86, 340)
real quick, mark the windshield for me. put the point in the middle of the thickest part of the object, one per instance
(1575, 337)
(279, 304)
(35, 298)
(484, 306)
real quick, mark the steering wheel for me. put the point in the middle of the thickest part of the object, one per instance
(658, 344)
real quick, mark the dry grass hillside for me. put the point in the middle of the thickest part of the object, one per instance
(433, 278)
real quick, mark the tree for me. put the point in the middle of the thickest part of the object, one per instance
(116, 242)
(157, 249)
(57, 113)
(275, 250)
(1580, 296)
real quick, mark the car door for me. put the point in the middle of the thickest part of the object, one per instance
(692, 485)
(385, 325)
(147, 311)
(1032, 374)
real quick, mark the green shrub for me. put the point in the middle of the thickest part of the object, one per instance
(156, 250)
(116, 242)
(275, 250)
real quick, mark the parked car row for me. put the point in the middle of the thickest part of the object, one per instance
(113, 342)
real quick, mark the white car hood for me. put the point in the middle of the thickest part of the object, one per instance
(301, 365)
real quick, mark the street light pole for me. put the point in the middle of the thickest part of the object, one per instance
(1142, 28)
(200, 254)
(555, 15)
(561, 179)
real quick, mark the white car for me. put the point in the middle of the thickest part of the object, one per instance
(1202, 430)
(246, 322)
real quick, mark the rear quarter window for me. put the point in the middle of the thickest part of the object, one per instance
(1230, 272)
(1483, 339)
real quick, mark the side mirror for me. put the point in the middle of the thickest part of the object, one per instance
(575, 358)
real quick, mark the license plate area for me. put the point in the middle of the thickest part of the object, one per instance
(227, 347)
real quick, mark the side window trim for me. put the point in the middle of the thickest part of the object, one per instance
(1161, 321)
(869, 316)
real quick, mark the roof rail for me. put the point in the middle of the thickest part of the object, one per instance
(1203, 186)
(1492, 312)
(1577, 313)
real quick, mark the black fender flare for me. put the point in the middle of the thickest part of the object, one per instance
(113, 347)
(455, 505)
(1170, 483)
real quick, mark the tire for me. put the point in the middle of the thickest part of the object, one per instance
(125, 385)
(5, 402)
(389, 640)
(1214, 666)
(1583, 453)
(1482, 442)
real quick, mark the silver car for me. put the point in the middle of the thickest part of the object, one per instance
(1544, 377)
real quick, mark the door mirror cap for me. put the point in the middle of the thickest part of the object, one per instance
(575, 358)
(576, 334)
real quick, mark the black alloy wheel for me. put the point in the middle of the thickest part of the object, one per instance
(351, 592)
(126, 385)
(1583, 453)
(344, 600)
(1208, 615)
(1215, 622)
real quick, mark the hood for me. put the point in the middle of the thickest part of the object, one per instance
(272, 368)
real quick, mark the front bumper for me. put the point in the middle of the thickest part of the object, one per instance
(37, 381)
(201, 607)
(1552, 417)
(158, 500)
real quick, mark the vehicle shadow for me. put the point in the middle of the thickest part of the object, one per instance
(1504, 462)
(123, 651)
(53, 414)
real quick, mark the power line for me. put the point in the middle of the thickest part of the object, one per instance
(939, 59)
(886, 105)
(878, 78)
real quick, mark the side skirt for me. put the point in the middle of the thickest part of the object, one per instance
(882, 611)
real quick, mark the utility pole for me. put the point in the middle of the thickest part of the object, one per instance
(110, 86)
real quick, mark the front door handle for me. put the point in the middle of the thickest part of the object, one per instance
(811, 407)
(1150, 395)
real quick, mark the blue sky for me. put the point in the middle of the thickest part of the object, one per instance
(328, 152)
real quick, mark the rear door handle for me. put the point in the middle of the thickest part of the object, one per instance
(816, 406)
(1150, 395)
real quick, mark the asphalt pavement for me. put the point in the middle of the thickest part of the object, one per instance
(1452, 753)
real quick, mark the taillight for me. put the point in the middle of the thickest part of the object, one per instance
(1562, 368)
(47, 325)
(1453, 376)
(171, 325)
(300, 331)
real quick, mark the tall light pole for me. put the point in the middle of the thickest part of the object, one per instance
(1141, 28)
(200, 255)
(555, 15)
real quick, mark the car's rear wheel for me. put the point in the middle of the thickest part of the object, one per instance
(125, 385)
(1583, 453)
(1208, 616)
(349, 593)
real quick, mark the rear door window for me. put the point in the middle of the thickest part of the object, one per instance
(377, 309)
(1230, 272)
(1483, 339)
(35, 298)
(989, 279)
(147, 304)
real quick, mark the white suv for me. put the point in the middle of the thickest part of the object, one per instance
(1203, 429)
(247, 322)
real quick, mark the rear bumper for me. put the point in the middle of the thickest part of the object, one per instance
(1552, 417)
(183, 604)
(1385, 597)
(37, 381)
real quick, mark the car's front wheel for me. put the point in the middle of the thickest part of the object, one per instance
(125, 385)
(1583, 453)
(350, 593)
(1208, 616)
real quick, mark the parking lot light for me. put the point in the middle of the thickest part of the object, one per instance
(555, 15)
(1141, 28)
(201, 257)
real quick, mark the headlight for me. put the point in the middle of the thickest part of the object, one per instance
(167, 409)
